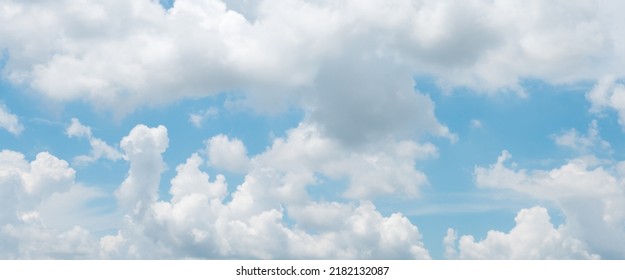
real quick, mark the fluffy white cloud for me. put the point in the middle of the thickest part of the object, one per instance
(227, 154)
(349, 65)
(35, 241)
(608, 94)
(476, 43)
(99, 148)
(587, 190)
(9, 121)
(383, 168)
(270, 215)
(143, 148)
(77, 129)
(582, 143)
(190, 180)
(533, 237)
(46, 175)
(12, 166)
(200, 222)
(199, 117)
(32, 195)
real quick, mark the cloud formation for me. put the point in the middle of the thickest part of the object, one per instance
(608, 93)
(269, 215)
(9, 121)
(583, 144)
(27, 189)
(587, 190)
(99, 148)
(199, 222)
(350, 67)
(223, 41)
(533, 237)
(227, 154)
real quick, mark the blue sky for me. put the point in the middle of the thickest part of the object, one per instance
(297, 129)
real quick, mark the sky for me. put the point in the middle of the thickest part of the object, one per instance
(312, 129)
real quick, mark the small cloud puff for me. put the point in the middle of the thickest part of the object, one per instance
(9, 121)
(99, 148)
(198, 118)
(475, 123)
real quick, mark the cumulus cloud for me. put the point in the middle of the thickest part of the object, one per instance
(198, 118)
(199, 222)
(9, 121)
(30, 193)
(608, 93)
(533, 237)
(588, 191)
(99, 148)
(477, 43)
(386, 168)
(269, 215)
(142, 148)
(348, 65)
(582, 143)
(227, 154)
(345, 63)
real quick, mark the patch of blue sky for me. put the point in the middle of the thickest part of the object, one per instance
(486, 125)
(166, 3)
(254, 130)
(523, 126)
(45, 131)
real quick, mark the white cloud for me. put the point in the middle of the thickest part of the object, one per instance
(190, 180)
(349, 65)
(47, 175)
(478, 44)
(198, 118)
(199, 221)
(9, 121)
(99, 148)
(608, 94)
(383, 168)
(43, 209)
(533, 237)
(582, 143)
(143, 148)
(35, 241)
(588, 191)
(227, 154)
(476, 123)
(269, 215)
(77, 129)
(12, 166)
